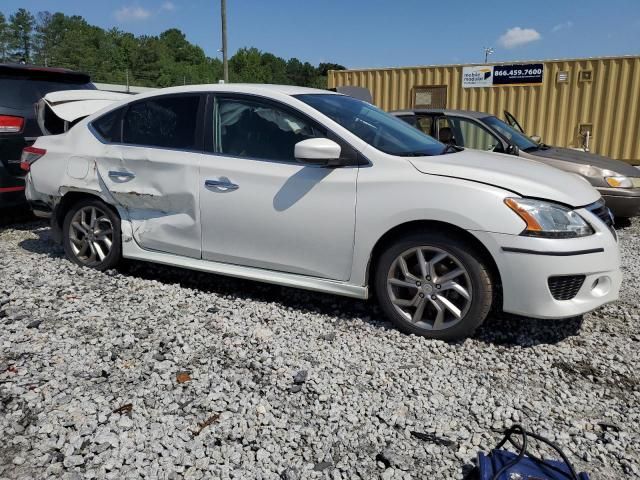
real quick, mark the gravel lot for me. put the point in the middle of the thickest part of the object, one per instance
(164, 373)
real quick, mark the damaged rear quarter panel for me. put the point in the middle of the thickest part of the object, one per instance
(160, 200)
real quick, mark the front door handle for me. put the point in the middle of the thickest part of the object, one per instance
(121, 175)
(222, 185)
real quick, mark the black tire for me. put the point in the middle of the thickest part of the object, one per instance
(478, 278)
(114, 254)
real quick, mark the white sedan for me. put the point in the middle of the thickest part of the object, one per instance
(317, 190)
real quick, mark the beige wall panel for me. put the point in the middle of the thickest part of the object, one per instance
(609, 102)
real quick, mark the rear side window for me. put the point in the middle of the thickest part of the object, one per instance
(165, 122)
(22, 93)
(108, 126)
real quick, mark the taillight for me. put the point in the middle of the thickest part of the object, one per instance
(30, 155)
(9, 124)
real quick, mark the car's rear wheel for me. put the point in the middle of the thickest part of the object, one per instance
(91, 235)
(434, 285)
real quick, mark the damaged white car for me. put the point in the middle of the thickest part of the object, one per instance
(317, 190)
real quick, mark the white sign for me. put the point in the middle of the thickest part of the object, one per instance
(496, 75)
(480, 76)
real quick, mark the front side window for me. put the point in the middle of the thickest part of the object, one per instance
(469, 134)
(511, 134)
(255, 129)
(424, 124)
(164, 122)
(379, 129)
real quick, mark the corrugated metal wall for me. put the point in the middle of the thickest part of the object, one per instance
(610, 102)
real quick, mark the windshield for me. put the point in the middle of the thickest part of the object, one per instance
(379, 129)
(511, 134)
(20, 93)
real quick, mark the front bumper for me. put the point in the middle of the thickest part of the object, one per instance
(623, 202)
(526, 263)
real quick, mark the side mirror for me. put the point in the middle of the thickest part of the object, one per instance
(536, 138)
(318, 151)
(513, 150)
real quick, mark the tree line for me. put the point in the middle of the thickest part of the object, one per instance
(114, 56)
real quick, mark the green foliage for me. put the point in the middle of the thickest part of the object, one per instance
(21, 25)
(4, 38)
(114, 56)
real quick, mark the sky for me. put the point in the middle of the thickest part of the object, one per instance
(378, 33)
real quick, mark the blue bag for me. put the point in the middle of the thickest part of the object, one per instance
(505, 465)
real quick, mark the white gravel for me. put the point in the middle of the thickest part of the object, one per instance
(164, 373)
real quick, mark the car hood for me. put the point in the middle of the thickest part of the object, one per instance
(587, 158)
(527, 178)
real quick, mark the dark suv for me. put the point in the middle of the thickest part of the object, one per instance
(21, 86)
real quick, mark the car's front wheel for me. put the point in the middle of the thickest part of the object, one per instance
(434, 285)
(91, 235)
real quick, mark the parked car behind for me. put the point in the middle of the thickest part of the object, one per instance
(317, 190)
(21, 86)
(617, 182)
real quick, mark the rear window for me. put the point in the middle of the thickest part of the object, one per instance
(21, 93)
(165, 122)
(108, 126)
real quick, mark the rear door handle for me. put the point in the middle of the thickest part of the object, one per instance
(222, 185)
(121, 175)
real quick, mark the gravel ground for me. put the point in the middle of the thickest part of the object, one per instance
(164, 373)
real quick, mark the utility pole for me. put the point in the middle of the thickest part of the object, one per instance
(487, 51)
(225, 63)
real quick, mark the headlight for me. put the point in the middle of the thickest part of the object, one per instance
(619, 181)
(549, 220)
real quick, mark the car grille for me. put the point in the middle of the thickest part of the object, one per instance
(565, 287)
(600, 210)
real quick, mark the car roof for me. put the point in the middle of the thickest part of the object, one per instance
(43, 73)
(442, 111)
(249, 88)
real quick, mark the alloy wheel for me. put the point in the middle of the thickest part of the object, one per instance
(91, 235)
(429, 287)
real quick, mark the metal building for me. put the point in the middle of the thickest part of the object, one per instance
(563, 101)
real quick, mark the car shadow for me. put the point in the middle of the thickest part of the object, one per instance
(297, 299)
(513, 330)
(504, 330)
(622, 223)
(297, 186)
(17, 218)
(44, 244)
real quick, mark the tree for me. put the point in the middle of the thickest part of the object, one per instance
(4, 38)
(49, 34)
(323, 68)
(21, 30)
(113, 56)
